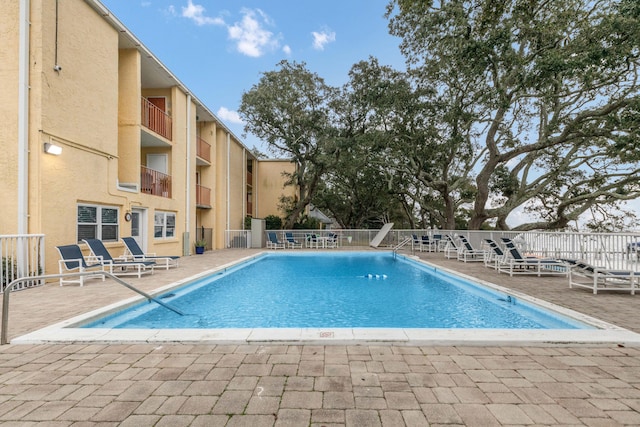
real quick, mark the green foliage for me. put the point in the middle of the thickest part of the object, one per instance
(9, 271)
(532, 96)
(306, 223)
(273, 222)
(504, 105)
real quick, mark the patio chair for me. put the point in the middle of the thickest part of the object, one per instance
(73, 261)
(331, 241)
(416, 242)
(291, 241)
(311, 240)
(494, 255)
(273, 242)
(427, 244)
(467, 253)
(117, 266)
(584, 275)
(516, 263)
(134, 252)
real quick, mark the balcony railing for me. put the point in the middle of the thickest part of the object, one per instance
(154, 182)
(22, 256)
(203, 196)
(155, 119)
(203, 149)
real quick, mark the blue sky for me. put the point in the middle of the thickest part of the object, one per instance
(220, 48)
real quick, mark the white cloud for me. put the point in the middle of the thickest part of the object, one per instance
(251, 38)
(286, 49)
(229, 116)
(196, 13)
(320, 39)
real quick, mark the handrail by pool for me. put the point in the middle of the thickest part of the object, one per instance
(10, 286)
(406, 241)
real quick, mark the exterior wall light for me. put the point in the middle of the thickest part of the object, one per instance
(54, 149)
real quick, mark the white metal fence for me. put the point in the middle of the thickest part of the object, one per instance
(21, 256)
(610, 250)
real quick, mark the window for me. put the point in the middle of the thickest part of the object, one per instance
(98, 222)
(164, 225)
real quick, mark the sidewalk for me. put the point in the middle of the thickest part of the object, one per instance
(301, 385)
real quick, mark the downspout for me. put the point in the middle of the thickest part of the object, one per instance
(256, 178)
(23, 120)
(187, 209)
(244, 185)
(228, 180)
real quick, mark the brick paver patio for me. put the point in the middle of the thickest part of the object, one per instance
(301, 385)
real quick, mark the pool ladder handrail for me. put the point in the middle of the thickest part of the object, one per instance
(401, 244)
(10, 286)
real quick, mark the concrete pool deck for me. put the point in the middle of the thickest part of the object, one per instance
(313, 384)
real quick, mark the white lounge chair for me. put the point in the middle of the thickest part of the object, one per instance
(117, 266)
(516, 263)
(583, 275)
(73, 261)
(135, 253)
(494, 255)
(468, 253)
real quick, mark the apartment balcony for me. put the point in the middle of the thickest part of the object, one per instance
(203, 152)
(154, 182)
(250, 179)
(156, 120)
(203, 197)
(249, 209)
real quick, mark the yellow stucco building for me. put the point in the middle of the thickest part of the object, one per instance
(100, 140)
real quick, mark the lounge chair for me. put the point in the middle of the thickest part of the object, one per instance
(583, 275)
(515, 263)
(134, 252)
(117, 266)
(291, 241)
(73, 261)
(468, 253)
(273, 242)
(450, 249)
(494, 255)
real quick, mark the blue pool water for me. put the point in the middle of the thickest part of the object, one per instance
(340, 290)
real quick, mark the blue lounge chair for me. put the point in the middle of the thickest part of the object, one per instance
(291, 241)
(467, 253)
(134, 252)
(73, 261)
(117, 266)
(273, 242)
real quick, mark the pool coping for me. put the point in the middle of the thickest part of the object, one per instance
(605, 334)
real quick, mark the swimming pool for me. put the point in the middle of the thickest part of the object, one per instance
(329, 290)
